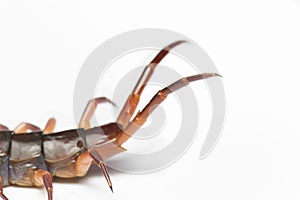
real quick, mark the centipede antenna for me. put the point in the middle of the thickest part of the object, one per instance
(100, 162)
(158, 98)
(133, 99)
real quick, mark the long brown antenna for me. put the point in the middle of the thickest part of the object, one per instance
(133, 99)
(160, 96)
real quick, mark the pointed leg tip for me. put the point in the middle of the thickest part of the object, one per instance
(174, 44)
(99, 160)
(3, 196)
(182, 41)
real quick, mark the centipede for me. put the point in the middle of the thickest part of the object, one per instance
(32, 157)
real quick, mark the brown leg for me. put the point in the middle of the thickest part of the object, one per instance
(83, 164)
(1, 190)
(90, 110)
(3, 128)
(100, 162)
(24, 127)
(44, 178)
(133, 99)
(85, 160)
(50, 126)
(142, 116)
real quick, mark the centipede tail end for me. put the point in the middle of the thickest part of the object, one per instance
(30, 156)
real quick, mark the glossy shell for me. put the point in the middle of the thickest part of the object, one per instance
(26, 155)
(22, 154)
(5, 138)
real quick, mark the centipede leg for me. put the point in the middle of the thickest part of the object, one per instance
(44, 178)
(90, 110)
(83, 164)
(160, 96)
(101, 164)
(85, 160)
(1, 190)
(50, 126)
(24, 127)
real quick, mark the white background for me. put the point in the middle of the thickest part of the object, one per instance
(255, 45)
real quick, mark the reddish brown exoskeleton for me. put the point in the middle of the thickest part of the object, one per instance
(32, 159)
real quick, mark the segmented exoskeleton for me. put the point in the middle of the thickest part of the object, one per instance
(30, 156)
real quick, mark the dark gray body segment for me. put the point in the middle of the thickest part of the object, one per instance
(22, 154)
(97, 136)
(102, 139)
(5, 138)
(61, 151)
(26, 156)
